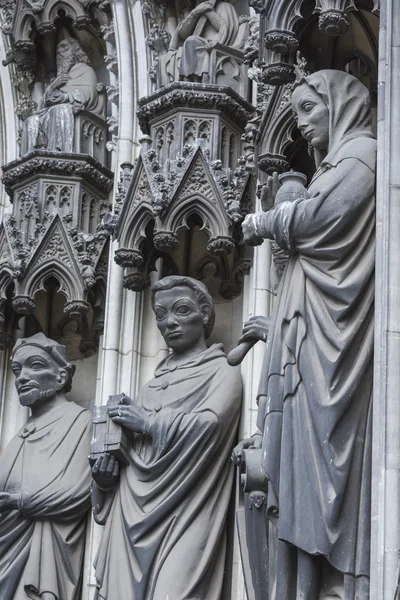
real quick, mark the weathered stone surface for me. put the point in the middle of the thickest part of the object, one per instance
(45, 479)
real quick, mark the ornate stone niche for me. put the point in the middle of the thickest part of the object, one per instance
(188, 43)
(279, 146)
(188, 216)
(57, 56)
(54, 250)
(54, 234)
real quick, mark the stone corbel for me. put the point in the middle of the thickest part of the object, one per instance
(280, 42)
(333, 15)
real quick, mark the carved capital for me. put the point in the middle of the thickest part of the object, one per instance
(166, 241)
(333, 22)
(76, 308)
(278, 73)
(136, 282)
(273, 162)
(333, 18)
(127, 257)
(221, 245)
(23, 305)
(283, 42)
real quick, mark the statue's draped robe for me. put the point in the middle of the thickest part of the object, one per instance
(193, 58)
(53, 127)
(165, 530)
(41, 548)
(315, 393)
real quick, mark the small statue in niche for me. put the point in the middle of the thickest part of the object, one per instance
(316, 385)
(208, 24)
(44, 480)
(164, 534)
(73, 90)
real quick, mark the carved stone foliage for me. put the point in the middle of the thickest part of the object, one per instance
(333, 18)
(196, 95)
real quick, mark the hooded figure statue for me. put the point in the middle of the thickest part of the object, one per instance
(316, 385)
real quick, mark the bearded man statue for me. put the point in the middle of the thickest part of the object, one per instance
(73, 90)
(44, 480)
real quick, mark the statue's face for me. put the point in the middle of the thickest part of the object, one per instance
(179, 318)
(37, 375)
(312, 116)
(65, 57)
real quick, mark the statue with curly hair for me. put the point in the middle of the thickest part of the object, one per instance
(44, 480)
(73, 90)
(165, 515)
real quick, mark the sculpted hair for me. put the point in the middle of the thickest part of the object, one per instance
(78, 52)
(199, 289)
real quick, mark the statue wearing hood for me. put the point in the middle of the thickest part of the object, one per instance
(316, 386)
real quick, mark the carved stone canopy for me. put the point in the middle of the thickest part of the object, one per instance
(184, 95)
(53, 232)
(152, 223)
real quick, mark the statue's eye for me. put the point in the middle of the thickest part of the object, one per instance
(308, 106)
(183, 310)
(160, 314)
(36, 365)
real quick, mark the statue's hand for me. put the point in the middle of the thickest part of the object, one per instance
(253, 442)
(8, 502)
(131, 416)
(203, 8)
(56, 97)
(250, 228)
(269, 192)
(59, 82)
(255, 328)
(105, 472)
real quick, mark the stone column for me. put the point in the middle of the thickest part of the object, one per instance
(385, 556)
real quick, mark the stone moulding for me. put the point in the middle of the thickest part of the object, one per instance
(57, 163)
(180, 94)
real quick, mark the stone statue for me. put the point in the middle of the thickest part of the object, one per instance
(164, 534)
(44, 480)
(209, 23)
(73, 90)
(316, 385)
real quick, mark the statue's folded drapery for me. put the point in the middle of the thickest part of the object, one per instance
(315, 400)
(165, 531)
(41, 547)
(56, 123)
